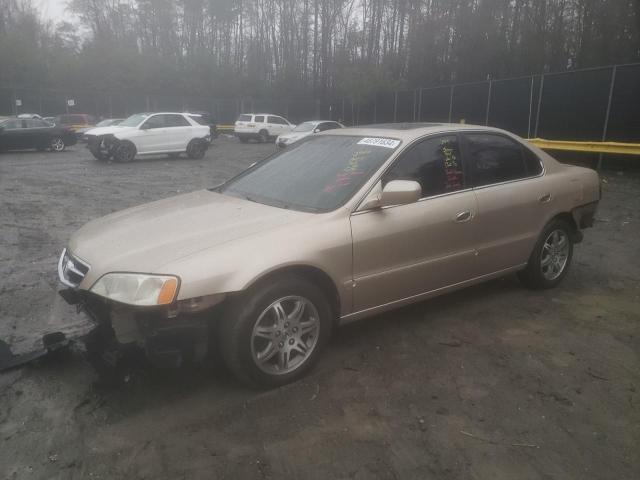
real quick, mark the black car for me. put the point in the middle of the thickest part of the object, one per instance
(26, 133)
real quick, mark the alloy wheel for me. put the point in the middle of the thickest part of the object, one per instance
(555, 253)
(285, 335)
(57, 145)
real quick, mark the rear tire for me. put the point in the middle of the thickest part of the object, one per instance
(57, 144)
(264, 136)
(551, 257)
(274, 333)
(197, 148)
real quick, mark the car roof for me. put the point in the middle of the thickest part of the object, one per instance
(407, 131)
(272, 114)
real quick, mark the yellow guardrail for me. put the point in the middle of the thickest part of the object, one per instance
(591, 147)
(224, 128)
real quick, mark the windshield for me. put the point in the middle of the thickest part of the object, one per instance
(317, 175)
(133, 120)
(304, 127)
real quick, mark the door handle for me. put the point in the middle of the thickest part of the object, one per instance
(544, 198)
(463, 216)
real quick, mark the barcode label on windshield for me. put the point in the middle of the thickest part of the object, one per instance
(380, 142)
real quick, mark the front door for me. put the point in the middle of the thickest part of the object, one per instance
(152, 136)
(405, 250)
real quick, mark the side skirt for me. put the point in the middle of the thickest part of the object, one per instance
(426, 295)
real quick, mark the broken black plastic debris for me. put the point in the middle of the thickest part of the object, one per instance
(51, 342)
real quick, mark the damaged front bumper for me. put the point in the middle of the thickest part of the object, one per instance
(169, 335)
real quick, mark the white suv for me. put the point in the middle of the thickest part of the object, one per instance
(261, 126)
(147, 134)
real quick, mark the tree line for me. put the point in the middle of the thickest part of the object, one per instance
(306, 48)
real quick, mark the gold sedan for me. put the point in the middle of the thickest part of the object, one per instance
(340, 226)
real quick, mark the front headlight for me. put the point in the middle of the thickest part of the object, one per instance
(137, 288)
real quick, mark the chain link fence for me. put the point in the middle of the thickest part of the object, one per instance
(591, 104)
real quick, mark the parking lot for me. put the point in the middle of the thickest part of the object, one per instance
(492, 382)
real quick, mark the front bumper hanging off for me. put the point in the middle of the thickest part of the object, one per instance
(168, 335)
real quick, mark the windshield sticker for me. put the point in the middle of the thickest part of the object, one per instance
(346, 175)
(380, 142)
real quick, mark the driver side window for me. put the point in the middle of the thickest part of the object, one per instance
(435, 163)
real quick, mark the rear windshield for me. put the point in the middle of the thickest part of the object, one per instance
(318, 174)
(244, 118)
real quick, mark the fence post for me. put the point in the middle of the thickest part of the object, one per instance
(535, 132)
(606, 118)
(486, 119)
(530, 108)
(375, 109)
(451, 101)
(395, 106)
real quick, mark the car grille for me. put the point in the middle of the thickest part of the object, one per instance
(71, 269)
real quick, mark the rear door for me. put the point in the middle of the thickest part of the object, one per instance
(405, 250)
(39, 133)
(178, 132)
(512, 200)
(277, 125)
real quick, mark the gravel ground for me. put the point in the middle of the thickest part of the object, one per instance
(493, 382)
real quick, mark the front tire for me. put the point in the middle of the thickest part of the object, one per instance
(551, 257)
(274, 333)
(125, 152)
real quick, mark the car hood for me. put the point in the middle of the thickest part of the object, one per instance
(144, 238)
(108, 130)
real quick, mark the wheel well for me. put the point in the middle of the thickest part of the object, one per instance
(314, 275)
(567, 217)
(576, 236)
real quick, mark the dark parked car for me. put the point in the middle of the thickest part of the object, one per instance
(25, 133)
(205, 118)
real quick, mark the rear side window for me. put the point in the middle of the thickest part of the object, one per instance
(175, 121)
(259, 118)
(277, 120)
(202, 120)
(494, 159)
(244, 118)
(35, 123)
(12, 124)
(434, 163)
(532, 162)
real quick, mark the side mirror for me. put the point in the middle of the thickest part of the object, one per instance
(316, 130)
(401, 192)
(145, 126)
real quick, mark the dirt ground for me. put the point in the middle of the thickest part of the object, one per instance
(493, 382)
